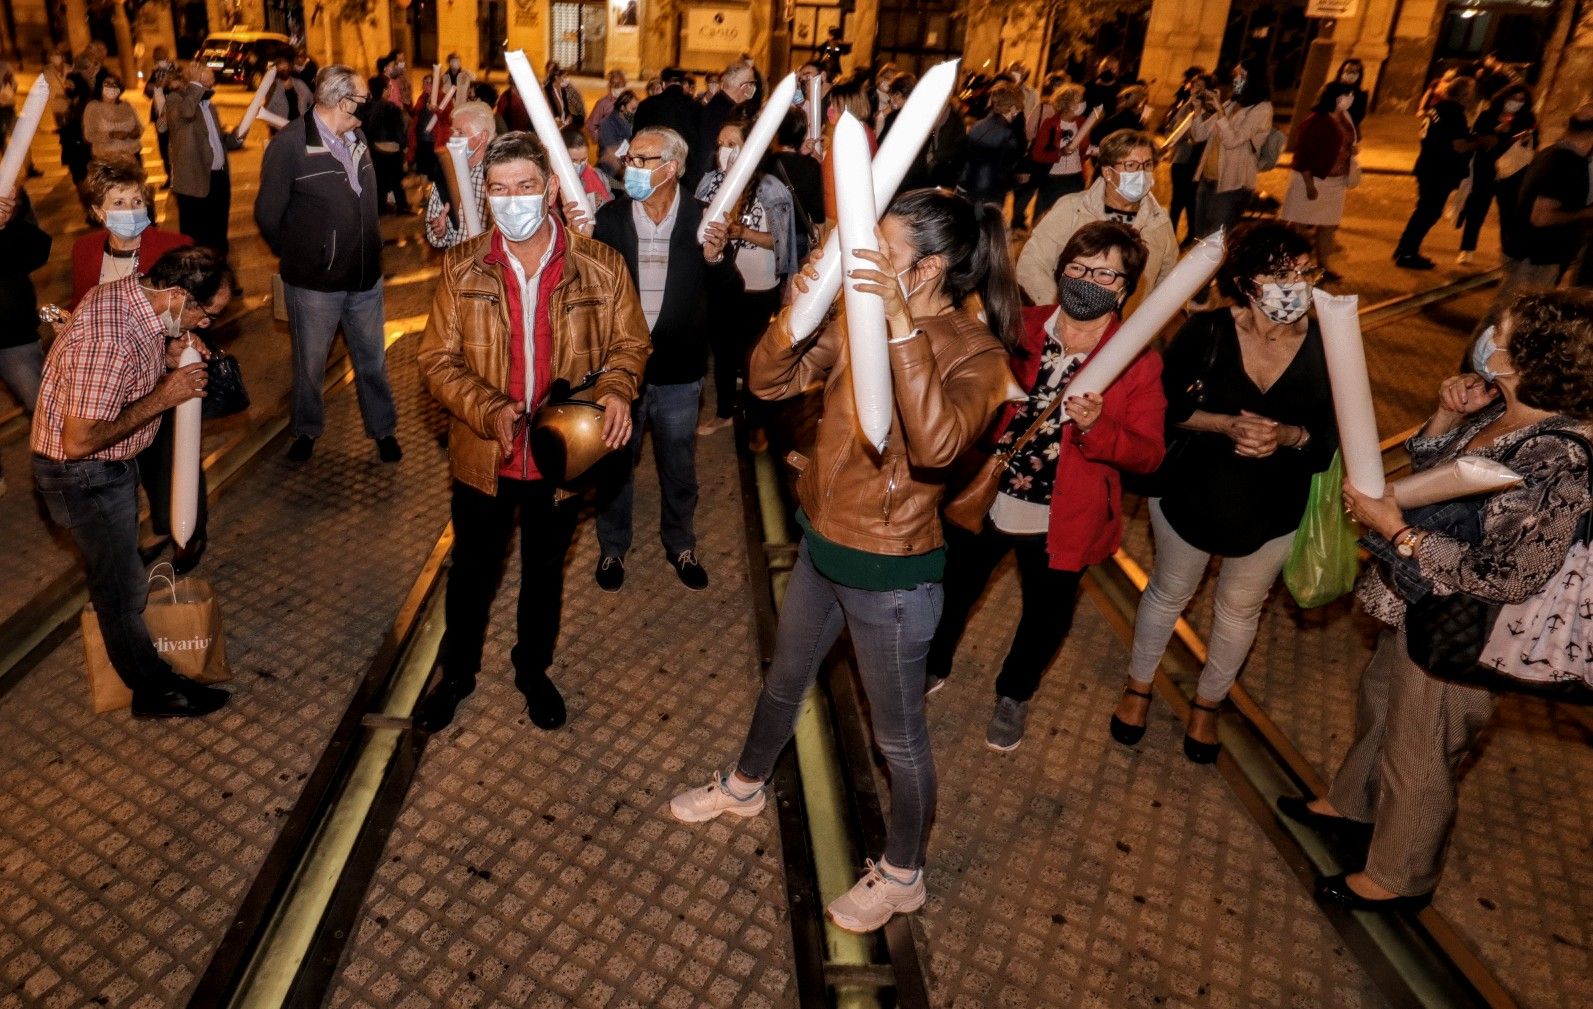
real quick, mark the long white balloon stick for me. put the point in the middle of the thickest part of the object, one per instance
(913, 125)
(185, 460)
(1158, 308)
(536, 104)
(815, 106)
(256, 102)
(271, 119)
(464, 191)
(1458, 478)
(758, 138)
(436, 82)
(22, 135)
(1340, 320)
(857, 215)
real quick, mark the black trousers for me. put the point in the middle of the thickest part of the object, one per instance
(204, 218)
(483, 524)
(1049, 598)
(390, 179)
(735, 332)
(154, 473)
(1431, 195)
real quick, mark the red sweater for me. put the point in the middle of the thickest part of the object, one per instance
(89, 250)
(519, 465)
(1316, 149)
(1087, 507)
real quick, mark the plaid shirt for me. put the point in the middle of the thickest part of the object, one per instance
(434, 209)
(112, 354)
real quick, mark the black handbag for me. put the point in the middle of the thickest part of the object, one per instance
(225, 393)
(1446, 634)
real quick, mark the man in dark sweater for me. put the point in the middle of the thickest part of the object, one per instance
(1554, 213)
(317, 210)
(674, 109)
(655, 229)
(24, 247)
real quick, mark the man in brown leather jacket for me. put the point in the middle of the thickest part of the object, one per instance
(532, 272)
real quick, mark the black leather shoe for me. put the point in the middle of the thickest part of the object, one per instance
(1414, 262)
(544, 705)
(180, 699)
(692, 574)
(1336, 890)
(610, 574)
(436, 710)
(1122, 731)
(302, 448)
(151, 553)
(1194, 749)
(387, 448)
(185, 559)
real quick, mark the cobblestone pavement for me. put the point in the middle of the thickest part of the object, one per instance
(543, 869)
(125, 846)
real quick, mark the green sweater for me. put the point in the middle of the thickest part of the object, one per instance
(859, 569)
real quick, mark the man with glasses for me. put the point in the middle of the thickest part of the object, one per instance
(317, 211)
(1121, 193)
(107, 380)
(654, 229)
(528, 304)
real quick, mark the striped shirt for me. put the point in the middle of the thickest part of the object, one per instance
(112, 354)
(652, 256)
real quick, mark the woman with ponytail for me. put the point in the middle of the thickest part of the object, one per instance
(1059, 501)
(873, 554)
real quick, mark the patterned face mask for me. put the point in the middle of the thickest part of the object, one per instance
(1284, 303)
(1084, 300)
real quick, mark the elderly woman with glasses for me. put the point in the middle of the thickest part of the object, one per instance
(1059, 504)
(1250, 421)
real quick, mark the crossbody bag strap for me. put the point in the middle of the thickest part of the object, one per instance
(1034, 429)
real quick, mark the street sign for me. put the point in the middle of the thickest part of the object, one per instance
(1332, 8)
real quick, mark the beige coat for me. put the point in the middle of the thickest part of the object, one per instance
(1232, 143)
(112, 130)
(1038, 262)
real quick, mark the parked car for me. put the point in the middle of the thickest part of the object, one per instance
(241, 57)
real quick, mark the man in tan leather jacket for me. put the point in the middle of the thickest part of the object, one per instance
(529, 303)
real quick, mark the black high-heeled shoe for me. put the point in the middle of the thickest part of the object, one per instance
(1194, 749)
(1337, 890)
(1122, 731)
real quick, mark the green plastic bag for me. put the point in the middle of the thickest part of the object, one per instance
(1324, 559)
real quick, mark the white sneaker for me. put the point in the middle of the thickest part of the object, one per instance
(707, 802)
(1464, 259)
(873, 899)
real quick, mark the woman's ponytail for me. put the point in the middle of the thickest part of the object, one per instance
(997, 278)
(972, 239)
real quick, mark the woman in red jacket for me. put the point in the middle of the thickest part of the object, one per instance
(1323, 154)
(1060, 502)
(127, 241)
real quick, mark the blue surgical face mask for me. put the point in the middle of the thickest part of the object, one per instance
(1482, 352)
(638, 182)
(126, 224)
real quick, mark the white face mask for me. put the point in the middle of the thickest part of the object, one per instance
(171, 320)
(1284, 303)
(727, 157)
(1513, 107)
(1132, 186)
(111, 94)
(126, 224)
(1079, 110)
(518, 217)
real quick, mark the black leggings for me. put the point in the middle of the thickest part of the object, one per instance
(735, 330)
(1049, 597)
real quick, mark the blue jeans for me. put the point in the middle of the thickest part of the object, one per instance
(313, 316)
(98, 501)
(672, 411)
(21, 368)
(891, 632)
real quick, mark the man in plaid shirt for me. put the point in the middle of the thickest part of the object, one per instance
(107, 380)
(474, 122)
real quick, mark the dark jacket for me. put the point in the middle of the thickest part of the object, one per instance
(24, 247)
(680, 336)
(326, 237)
(719, 110)
(993, 150)
(675, 109)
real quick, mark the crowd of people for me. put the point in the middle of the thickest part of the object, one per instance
(619, 311)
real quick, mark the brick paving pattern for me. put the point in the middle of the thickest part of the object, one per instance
(125, 846)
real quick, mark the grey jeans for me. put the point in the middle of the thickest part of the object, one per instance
(891, 632)
(314, 317)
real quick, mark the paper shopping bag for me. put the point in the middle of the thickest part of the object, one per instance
(107, 692)
(184, 623)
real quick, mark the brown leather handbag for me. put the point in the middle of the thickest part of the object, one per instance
(968, 508)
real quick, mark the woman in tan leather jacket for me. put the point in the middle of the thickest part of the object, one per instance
(873, 554)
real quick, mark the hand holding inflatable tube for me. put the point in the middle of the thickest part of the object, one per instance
(547, 131)
(256, 102)
(1352, 391)
(758, 138)
(913, 125)
(1464, 477)
(865, 313)
(22, 136)
(1158, 308)
(185, 459)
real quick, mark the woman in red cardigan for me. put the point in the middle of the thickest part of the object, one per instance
(1060, 503)
(127, 241)
(1323, 153)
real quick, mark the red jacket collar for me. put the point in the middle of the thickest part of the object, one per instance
(1025, 368)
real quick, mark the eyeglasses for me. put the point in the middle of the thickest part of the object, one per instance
(1105, 276)
(1136, 166)
(641, 160)
(1310, 274)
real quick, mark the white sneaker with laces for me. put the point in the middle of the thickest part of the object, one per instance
(872, 900)
(702, 804)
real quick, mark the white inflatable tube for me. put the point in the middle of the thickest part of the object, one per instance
(1339, 318)
(758, 139)
(913, 125)
(1464, 477)
(469, 205)
(536, 104)
(866, 335)
(185, 460)
(22, 136)
(255, 103)
(815, 107)
(1140, 328)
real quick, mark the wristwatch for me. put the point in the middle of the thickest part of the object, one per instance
(1405, 541)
